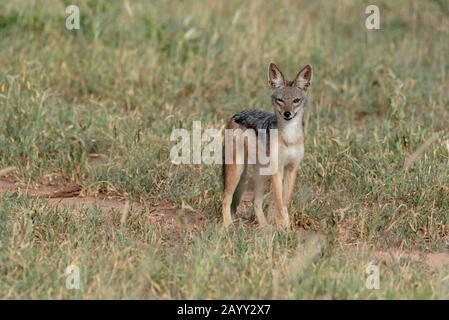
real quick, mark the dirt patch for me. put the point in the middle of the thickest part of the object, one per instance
(174, 220)
(166, 215)
(362, 114)
(64, 196)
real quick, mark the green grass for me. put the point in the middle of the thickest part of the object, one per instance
(118, 87)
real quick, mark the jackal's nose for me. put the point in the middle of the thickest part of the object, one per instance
(287, 114)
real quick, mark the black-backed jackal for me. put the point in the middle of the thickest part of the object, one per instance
(288, 99)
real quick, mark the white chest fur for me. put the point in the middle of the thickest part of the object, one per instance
(291, 132)
(291, 151)
(291, 155)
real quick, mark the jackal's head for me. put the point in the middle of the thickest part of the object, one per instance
(288, 97)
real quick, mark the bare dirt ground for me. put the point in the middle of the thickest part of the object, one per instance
(165, 215)
(63, 196)
(170, 219)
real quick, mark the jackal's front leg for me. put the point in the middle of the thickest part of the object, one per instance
(289, 185)
(282, 219)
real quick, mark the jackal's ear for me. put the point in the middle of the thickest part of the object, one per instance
(304, 78)
(275, 77)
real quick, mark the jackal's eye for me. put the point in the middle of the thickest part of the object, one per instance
(296, 100)
(279, 101)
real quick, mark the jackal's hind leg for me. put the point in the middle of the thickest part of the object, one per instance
(259, 191)
(233, 174)
(238, 193)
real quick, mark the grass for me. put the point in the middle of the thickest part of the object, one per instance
(117, 87)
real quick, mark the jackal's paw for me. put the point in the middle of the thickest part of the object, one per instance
(282, 219)
(263, 224)
(227, 223)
